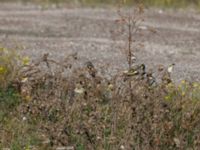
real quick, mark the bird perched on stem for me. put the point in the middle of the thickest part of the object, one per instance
(170, 68)
(136, 70)
(166, 78)
(91, 69)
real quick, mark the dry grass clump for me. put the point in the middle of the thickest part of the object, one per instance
(76, 107)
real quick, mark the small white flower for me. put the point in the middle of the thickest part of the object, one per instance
(6, 149)
(79, 90)
(122, 147)
(125, 72)
(24, 80)
(24, 118)
(160, 11)
(143, 27)
(47, 141)
(177, 142)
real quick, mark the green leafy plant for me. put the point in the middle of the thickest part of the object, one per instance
(11, 64)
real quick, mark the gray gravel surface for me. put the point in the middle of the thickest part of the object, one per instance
(62, 31)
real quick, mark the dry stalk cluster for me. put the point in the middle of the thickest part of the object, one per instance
(84, 109)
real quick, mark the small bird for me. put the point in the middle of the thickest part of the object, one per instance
(136, 70)
(133, 58)
(91, 69)
(132, 71)
(170, 68)
(89, 65)
(142, 69)
(160, 68)
(151, 80)
(166, 78)
(141, 72)
(74, 55)
(45, 56)
(45, 59)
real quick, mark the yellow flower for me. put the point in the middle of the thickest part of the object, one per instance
(183, 93)
(2, 70)
(167, 98)
(25, 60)
(28, 148)
(170, 85)
(2, 49)
(110, 87)
(183, 82)
(27, 98)
(195, 85)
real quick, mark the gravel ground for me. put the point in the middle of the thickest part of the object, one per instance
(88, 31)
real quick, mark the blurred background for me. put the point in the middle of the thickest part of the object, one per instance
(157, 3)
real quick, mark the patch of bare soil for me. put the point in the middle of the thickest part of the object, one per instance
(62, 31)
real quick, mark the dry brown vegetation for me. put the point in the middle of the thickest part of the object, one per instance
(78, 107)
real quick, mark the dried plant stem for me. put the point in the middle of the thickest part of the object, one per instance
(130, 52)
(129, 43)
